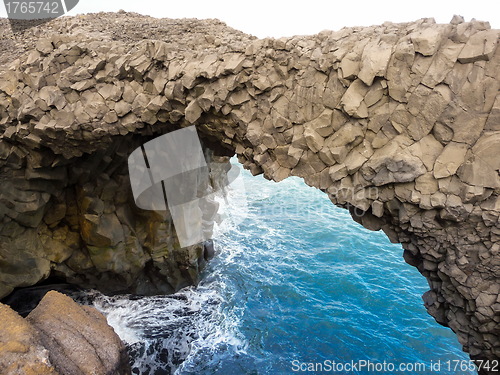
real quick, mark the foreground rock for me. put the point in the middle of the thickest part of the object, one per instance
(399, 123)
(21, 348)
(62, 338)
(78, 338)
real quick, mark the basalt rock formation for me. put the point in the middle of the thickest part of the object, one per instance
(60, 337)
(399, 123)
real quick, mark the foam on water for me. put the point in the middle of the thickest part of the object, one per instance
(296, 280)
(167, 333)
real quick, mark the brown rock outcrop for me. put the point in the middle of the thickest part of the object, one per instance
(399, 123)
(78, 338)
(59, 337)
(21, 349)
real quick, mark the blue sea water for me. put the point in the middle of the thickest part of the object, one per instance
(297, 282)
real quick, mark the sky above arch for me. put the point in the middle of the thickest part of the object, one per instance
(264, 18)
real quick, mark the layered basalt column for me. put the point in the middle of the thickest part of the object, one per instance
(399, 123)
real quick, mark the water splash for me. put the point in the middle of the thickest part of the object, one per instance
(166, 333)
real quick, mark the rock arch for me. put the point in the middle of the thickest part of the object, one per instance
(400, 123)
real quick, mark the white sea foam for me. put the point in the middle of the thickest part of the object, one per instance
(164, 333)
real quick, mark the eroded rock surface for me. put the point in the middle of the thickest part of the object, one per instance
(399, 123)
(21, 350)
(59, 337)
(78, 338)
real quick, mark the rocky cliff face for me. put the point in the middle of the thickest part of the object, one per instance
(399, 123)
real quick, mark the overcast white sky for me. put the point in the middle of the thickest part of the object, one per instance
(284, 18)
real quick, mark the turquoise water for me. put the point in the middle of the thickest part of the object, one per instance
(297, 282)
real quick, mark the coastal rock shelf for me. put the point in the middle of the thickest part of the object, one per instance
(399, 123)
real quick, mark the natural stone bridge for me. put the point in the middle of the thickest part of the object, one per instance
(400, 123)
